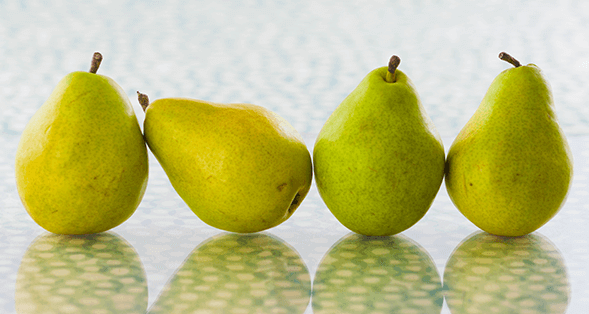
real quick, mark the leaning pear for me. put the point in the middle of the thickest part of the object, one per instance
(81, 163)
(510, 168)
(378, 160)
(239, 167)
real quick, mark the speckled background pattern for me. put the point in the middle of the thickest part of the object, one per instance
(299, 59)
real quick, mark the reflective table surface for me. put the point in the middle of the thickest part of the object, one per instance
(299, 60)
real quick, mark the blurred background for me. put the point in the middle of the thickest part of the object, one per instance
(299, 59)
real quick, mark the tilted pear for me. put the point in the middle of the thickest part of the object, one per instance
(239, 167)
(81, 163)
(510, 168)
(378, 160)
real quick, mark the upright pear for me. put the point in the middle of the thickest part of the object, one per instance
(239, 167)
(378, 160)
(510, 168)
(81, 163)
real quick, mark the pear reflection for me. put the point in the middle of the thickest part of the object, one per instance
(363, 274)
(492, 274)
(98, 273)
(238, 273)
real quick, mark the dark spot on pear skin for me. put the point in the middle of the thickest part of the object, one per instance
(294, 203)
(281, 187)
(470, 184)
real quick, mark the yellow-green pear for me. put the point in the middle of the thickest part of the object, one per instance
(81, 163)
(239, 167)
(510, 168)
(378, 160)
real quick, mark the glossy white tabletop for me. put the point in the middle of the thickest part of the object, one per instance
(299, 60)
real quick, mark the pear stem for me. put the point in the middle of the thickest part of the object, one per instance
(96, 60)
(506, 57)
(143, 100)
(393, 64)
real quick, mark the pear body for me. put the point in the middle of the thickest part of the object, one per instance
(239, 167)
(81, 163)
(378, 160)
(510, 167)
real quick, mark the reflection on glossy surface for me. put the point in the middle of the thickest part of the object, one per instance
(492, 274)
(363, 274)
(238, 273)
(98, 273)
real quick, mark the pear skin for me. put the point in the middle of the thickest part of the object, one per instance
(378, 160)
(81, 163)
(239, 167)
(510, 167)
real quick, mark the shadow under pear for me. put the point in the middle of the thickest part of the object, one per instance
(236, 273)
(493, 274)
(361, 274)
(95, 273)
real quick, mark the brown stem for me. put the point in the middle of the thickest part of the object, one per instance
(507, 57)
(96, 59)
(393, 64)
(143, 100)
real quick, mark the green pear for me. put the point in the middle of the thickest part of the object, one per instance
(81, 163)
(236, 273)
(239, 167)
(494, 274)
(378, 160)
(94, 273)
(362, 274)
(510, 168)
